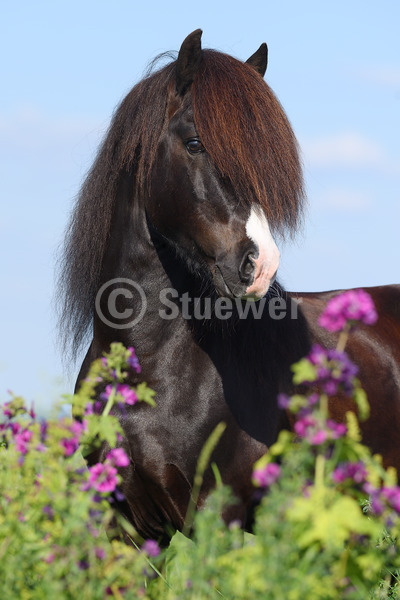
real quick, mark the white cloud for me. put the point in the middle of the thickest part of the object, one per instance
(349, 150)
(388, 76)
(344, 200)
(342, 149)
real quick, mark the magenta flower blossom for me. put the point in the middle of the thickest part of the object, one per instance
(50, 558)
(354, 471)
(22, 440)
(349, 307)
(392, 495)
(118, 458)
(335, 371)
(151, 548)
(319, 437)
(124, 393)
(7, 412)
(70, 446)
(315, 432)
(266, 476)
(89, 409)
(103, 477)
(15, 428)
(133, 360)
(100, 553)
(336, 430)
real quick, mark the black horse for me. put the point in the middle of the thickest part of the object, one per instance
(171, 250)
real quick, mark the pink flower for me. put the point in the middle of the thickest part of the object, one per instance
(319, 437)
(349, 307)
(100, 553)
(124, 393)
(50, 558)
(266, 476)
(337, 430)
(22, 440)
(103, 477)
(70, 446)
(133, 360)
(118, 458)
(151, 548)
(303, 425)
(392, 495)
(355, 471)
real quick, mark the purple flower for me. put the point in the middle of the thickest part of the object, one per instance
(7, 412)
(124, 393)
(303, 425)
(266, 476)
(335, 371)
(349, 307)
(48, 511)
(100, 553)
(22, 440)
(336, 430)
(78, 428)
(133, 360)
(316, 432)
(70, 446)
(355, 471)
(151, 548)
(319, 437)
(89, 409)
(15, 428)
(103, 477)
(43, 431)
(392, 495)
(50, 558)
(118, 458)
(283, 401)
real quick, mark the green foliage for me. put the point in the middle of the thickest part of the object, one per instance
(326, 526)
(52, 522)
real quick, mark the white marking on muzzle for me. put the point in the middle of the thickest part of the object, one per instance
(267, 262)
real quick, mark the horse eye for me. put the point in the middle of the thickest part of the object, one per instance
(194, 146)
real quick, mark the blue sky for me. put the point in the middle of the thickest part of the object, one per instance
(65, 66)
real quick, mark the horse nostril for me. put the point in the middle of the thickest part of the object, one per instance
(247, 267)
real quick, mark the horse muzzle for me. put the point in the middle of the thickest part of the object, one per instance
(250, 278)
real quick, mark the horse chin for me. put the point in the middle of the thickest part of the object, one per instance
(236, 291)
(253, 297)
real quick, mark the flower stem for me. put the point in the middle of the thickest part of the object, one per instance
(343, 337)
(110, 402)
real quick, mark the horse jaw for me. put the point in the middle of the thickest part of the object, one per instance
(267, 261)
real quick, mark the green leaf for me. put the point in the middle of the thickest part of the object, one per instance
(145, 394)
(303, 371)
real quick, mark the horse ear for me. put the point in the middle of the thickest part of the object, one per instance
(259, 59)
(188, 62)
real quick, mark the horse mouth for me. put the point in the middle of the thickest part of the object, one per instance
(239, 290)
(228, 289)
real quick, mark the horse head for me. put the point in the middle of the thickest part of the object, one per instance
(209, 217)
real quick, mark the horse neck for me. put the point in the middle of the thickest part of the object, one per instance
(138, 253)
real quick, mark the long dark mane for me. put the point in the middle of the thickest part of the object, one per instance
(240, 122)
